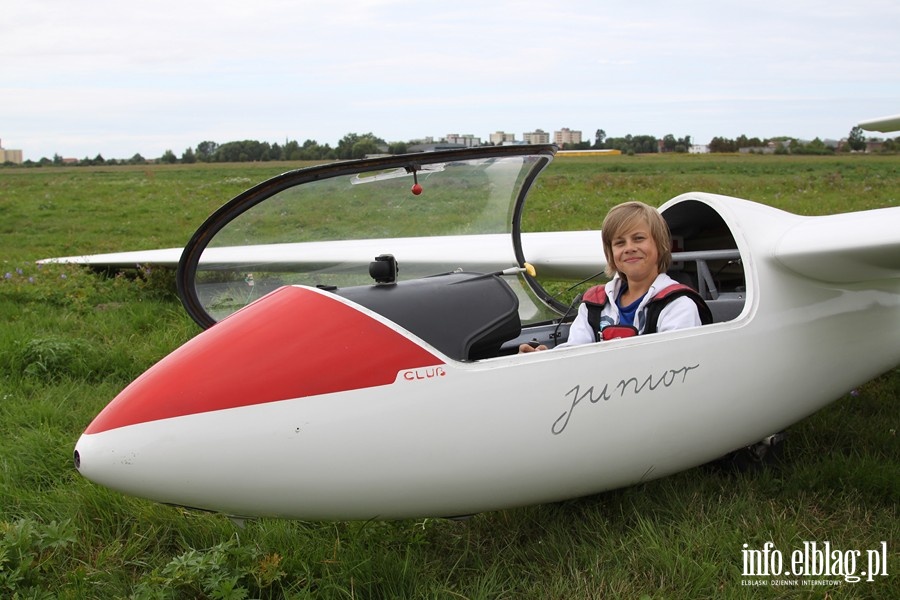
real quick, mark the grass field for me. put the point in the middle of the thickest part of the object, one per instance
(71, 340)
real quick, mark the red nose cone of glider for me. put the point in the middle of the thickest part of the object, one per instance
(294, 343)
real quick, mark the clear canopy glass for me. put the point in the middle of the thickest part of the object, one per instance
(322, 226)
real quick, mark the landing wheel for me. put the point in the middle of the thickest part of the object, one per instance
(765, 453)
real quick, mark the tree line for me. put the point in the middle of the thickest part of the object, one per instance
(354, 145)
(351, 146)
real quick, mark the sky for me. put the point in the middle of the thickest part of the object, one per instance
(120, 78)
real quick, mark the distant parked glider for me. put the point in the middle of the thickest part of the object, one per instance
(883, 124)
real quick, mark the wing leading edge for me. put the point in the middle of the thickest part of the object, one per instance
(552, 254)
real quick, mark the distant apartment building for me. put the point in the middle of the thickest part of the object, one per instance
(498, 138)
(13, 156)
(538, 136)
(468, 140)
(566, 136)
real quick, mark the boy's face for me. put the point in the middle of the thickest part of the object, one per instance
(635, 253)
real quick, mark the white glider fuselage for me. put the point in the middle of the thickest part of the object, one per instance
(349, 416)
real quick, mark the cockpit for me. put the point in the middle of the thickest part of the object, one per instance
(458, 230)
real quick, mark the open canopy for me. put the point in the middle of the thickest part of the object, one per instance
(437, 212)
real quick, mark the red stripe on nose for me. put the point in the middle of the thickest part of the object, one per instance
(293, 343)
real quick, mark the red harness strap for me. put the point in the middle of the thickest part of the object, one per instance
(595, 299)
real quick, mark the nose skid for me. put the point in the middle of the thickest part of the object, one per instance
(294, 343)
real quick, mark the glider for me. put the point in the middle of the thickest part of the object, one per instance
(362, 320)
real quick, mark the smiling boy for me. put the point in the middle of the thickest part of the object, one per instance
(640, 297)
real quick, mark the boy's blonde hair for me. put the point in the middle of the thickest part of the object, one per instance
(625, 217)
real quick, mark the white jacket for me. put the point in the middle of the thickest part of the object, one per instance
(681, 313)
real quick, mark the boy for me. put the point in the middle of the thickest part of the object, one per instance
(640, 298)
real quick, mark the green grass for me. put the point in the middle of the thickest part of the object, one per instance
(579, 191)
(72, 340)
